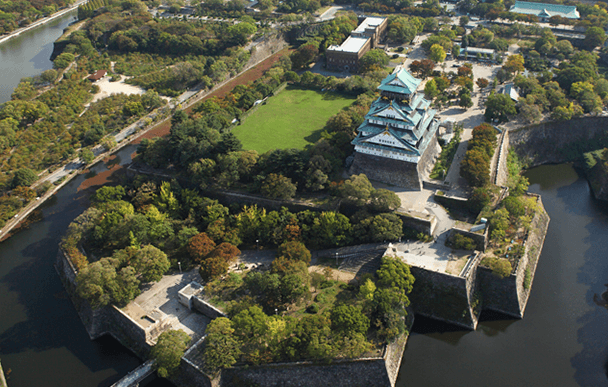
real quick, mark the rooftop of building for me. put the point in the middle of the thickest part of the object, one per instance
(351, 44)
(545, 10)
(401, 82)
(369, 22)
(475, 50)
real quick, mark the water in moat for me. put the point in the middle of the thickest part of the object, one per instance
(562, 339)
(42, 341)
(29, 54)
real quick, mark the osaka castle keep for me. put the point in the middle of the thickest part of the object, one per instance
(397, 141)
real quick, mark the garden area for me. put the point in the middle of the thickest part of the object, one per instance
(292, 119)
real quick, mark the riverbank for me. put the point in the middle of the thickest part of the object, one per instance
(42, 21)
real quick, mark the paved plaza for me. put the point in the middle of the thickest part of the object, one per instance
(160, 303)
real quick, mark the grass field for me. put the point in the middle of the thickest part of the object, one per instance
(291, 119)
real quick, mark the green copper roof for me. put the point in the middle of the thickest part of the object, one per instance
(408, 85)
(545, 10)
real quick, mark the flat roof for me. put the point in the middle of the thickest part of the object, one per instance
(351, 44)
(545, 10)
(369, 22)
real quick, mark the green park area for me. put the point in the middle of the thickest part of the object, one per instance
(292, 119)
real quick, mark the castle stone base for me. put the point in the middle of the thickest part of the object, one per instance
(395, 172)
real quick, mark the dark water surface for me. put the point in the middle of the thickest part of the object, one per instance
(29, 54)
(563, 338)
(42, 341)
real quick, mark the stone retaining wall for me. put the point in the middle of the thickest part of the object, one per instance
(509, 295)
(481, 240)
(559, 141)
(206, 309)
(444, 297)
(423, 225)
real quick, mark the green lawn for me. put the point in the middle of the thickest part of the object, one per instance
(291, 119)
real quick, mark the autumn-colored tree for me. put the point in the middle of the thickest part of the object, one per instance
(25, 193)
(226, 251)
(465, 71)
(200, 246)
(213, 267)
(475, 168)
(482, 83)
(292, 231)
(423, 68)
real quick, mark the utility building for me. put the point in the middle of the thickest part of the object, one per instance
(365, 37)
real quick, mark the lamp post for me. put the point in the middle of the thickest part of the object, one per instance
(180, 267)
(257, 244)
(336, 259)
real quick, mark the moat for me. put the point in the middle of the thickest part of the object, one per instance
(560, 340)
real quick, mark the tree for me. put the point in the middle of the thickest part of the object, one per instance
(373, 60)
(222, 349)
(348, 320)
(168, 351)
(226, 251)
(422, 68)
(430, 89)
(24, 177)
(482, 83)
(305, 54)
(396, 275)
(213, 267)
(475, 168)
(151, 262)
(437, 53)
(465, 101)
(107, 194)
(514, 64)
(499, 107)
(200, 246)
(295, 251)
(277, 186)
(367, 289)
(357, 190)
(87, 156)
(97, 282)
(595, 36)
(63, 60)
(383, 200)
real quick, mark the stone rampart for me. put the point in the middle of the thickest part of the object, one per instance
(509, 295)
(425, 225)
(206, 309)
(374, 371)
(445, 297)
(559, 141)
(104, 321)
(480, 239)
(388, 171)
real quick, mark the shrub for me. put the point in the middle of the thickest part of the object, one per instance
(326, 284)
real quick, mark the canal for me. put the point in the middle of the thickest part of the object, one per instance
(29, 54)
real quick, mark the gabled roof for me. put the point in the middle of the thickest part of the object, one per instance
(545, 10)
(406, 83)
(365, 140)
